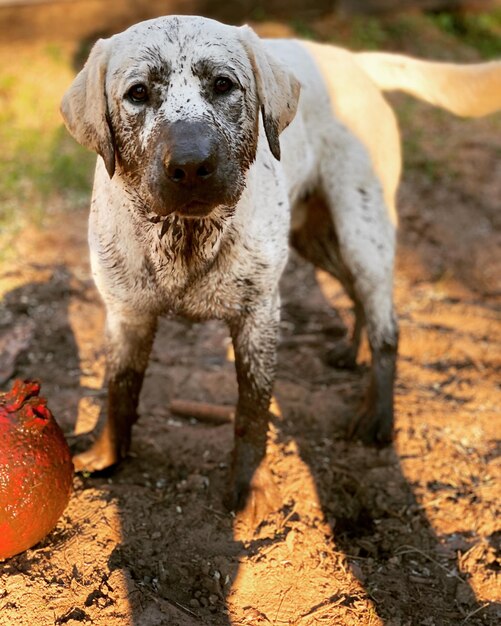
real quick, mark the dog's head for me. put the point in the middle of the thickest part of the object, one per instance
(172, 106)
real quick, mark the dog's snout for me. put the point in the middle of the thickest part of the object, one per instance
(192, 170)
(191, 155)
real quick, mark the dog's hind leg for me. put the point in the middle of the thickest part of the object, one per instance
(366, 239)
(354, 240)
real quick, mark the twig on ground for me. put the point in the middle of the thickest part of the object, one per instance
(411, 549)
(203, 411)
(477, 610)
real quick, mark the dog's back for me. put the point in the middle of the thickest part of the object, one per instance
(336, 88)
(349, 86)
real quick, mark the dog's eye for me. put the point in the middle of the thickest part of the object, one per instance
(138, 93)
(222, 85)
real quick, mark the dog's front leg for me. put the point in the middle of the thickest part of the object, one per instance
(254, 336)
(129, 338)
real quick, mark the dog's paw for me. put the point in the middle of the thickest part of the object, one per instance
(93, 461)
(372, 428)
(254, 498)
(102, 454)
(342, 355)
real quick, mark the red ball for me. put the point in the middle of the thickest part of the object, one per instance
(36, 470)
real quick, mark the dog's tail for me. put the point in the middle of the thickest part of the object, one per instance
(470, 90)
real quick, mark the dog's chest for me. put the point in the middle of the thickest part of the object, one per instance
(219, 288)
(202, 276)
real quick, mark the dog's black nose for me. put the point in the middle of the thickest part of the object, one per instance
(190, 170)
(191, 154)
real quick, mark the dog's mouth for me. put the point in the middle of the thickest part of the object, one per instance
(162, 198)
(190, 209)
(195, 208)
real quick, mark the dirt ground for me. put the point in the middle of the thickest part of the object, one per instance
(409, 535)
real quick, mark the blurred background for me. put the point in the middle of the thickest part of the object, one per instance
(43, 43)
(80, 18)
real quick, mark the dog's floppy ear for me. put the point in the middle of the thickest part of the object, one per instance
(277, 89)
(84, 106)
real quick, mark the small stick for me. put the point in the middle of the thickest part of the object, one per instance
(203, 411)
(480, 608)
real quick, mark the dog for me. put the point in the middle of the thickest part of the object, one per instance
(219, 149)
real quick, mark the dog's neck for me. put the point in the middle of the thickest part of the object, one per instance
(190, 243)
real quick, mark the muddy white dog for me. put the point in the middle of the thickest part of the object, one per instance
(218, 149)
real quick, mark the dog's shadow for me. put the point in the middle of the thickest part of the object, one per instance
(376, 519)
